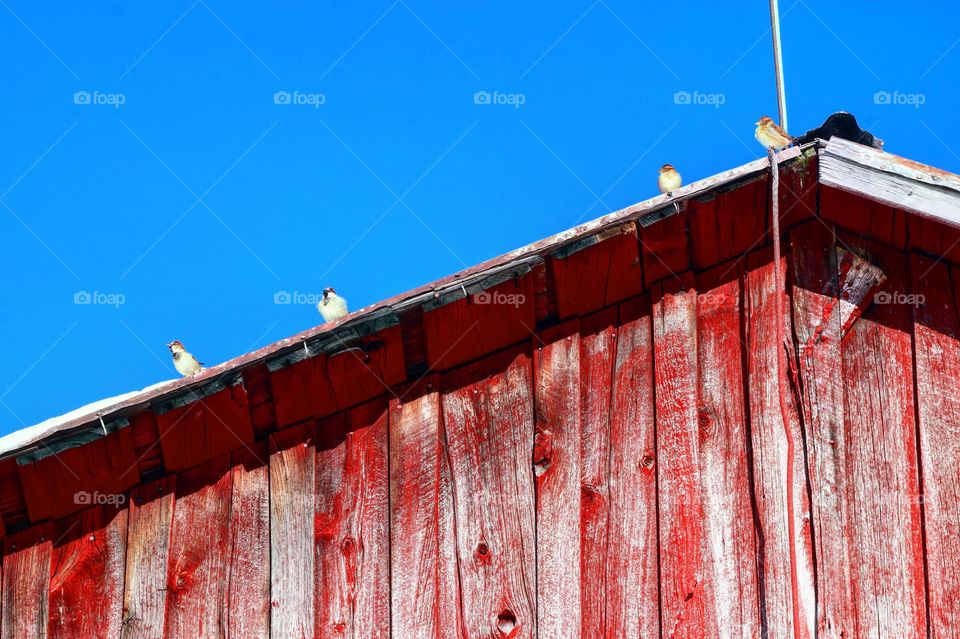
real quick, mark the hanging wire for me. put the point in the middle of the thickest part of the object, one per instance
(782, 344)
(778, 64)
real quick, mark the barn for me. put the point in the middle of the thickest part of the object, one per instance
(678, 420)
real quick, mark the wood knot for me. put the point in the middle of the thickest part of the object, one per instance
(647, 462)
(506, 623)
(706, 424)
(181, 581)
(542, 451)
(483, 553)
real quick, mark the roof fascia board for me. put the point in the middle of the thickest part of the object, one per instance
(892, 180)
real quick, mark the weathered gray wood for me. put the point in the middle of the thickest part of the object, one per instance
(598, 349)
(890, 179)
(769, 448)
(425, 591)
(632, 599)
(292, 463)
(937, 353)
(148, 546)
(488, 418)
(556, 462)
(680, 485)
(199, 556)
(730, 590)
(883, 497)
(818, 311)
(249, 595)
(26, 582)
(351, 525)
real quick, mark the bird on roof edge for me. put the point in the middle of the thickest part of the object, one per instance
(669, 179)
(185, 363)
(332, 306)
(770, 135)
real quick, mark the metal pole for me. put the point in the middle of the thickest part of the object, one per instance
(778, 63)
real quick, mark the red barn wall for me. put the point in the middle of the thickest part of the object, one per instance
(616, 468)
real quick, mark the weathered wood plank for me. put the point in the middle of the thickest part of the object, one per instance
(205, 429)
(769, 448)
(556, 463)
(598, 275)
(26, 582)
(799, 192)
(598, 346)
(488, 417)
(425, 591)
(11, 493)
(632, 608)
(883, 496)
(859, 216)
(54, 486)
(302, 391)
(148, 544)
(665, 248)
(937, 347)
(892, 180)
(197, 568)
(87, 569)
(728, 225)
(367, 371)
(730, 590)
(249, 591)
(480, 324)
(931, 237)
(679, 485)
(292, 487)
(352, 579)
(817, 325)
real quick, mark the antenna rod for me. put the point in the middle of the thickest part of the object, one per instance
(778, 63)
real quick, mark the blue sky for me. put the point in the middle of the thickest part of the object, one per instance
(188, 160)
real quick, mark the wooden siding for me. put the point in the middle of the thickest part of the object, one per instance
(600, 465)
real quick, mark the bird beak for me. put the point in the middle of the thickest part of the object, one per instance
(170, 344)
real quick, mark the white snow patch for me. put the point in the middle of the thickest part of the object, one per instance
(31, 434)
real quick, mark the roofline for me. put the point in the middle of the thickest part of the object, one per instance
(891, 180)
(372, 318)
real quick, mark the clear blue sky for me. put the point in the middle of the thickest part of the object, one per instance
(179, 186)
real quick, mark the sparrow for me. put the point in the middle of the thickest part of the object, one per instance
(770, 135)
(669, 180)
(185, 363)
(332, 306)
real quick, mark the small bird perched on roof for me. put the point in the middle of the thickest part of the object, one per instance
(332, 306)
(770, 135)
(185, 363)
(669, 179)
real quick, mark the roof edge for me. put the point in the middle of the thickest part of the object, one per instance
(369, 319)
